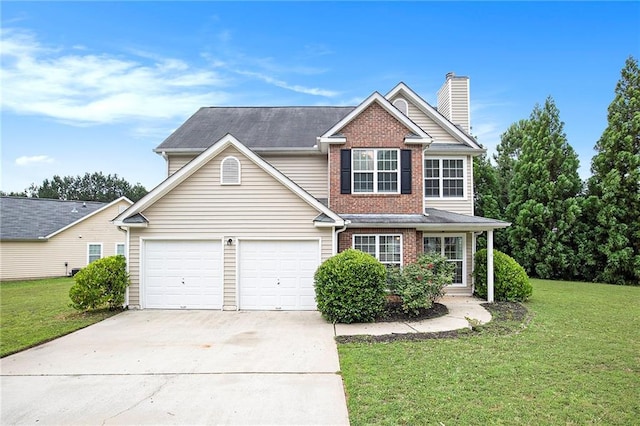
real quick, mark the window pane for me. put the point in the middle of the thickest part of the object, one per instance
(388, 182)
(432, 245)
(365, 243)
(363, 182)
(390, 249)
(431, 178)
(453, 178)
(362, 159)
(387, 159)
(120, 249)
(95, 252)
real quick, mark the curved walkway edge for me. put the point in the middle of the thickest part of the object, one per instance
(462, 310)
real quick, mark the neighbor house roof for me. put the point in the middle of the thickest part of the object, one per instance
(257, 127)
(29, 219)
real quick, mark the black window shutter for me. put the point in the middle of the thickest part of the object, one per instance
(405, 171)
(345, 171)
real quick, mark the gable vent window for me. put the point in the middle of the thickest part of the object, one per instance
(230, 171)
(401, 104)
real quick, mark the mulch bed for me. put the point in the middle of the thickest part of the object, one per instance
(507, 318)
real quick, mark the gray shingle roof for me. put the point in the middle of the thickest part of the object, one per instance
(433, 217)
(34, 218)
(255, 127)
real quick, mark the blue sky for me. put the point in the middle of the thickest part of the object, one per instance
(95, 86)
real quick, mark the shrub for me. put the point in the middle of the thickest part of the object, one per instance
(421, 283)
(350, 287)
(510, 281)
(102, 283)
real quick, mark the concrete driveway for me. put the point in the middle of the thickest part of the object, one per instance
(180, 367)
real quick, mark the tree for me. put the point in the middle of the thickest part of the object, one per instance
(486, 192)
(614, 187)
(90, 187)
(543, 207)
(508, 152)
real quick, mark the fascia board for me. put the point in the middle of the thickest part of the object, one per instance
(82, 219)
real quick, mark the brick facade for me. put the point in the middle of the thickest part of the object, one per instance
(375, 128)
(411, 240)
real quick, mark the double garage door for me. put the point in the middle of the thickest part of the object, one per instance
(271, 275)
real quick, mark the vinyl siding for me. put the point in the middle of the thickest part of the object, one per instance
(41, 259)
(427, 124)
(229, 283)
(461, 206)
(201, 208)
(176, 162)
(308, 171)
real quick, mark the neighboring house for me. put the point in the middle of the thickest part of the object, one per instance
(257, 197)
(42, 238)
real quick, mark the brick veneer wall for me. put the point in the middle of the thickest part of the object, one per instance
(412, 244)
(375, 128)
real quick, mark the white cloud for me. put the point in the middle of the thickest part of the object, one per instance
(35, 159)
(81, 88)
(293, 87)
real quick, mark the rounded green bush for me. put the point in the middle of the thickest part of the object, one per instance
(510, 280)
(350, 287)
(101, 284)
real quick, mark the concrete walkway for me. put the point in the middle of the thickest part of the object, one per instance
(460, 308)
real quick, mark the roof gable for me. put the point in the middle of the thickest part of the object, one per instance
(333, 134)
(132, 216)
(433, 114)
(30, 219)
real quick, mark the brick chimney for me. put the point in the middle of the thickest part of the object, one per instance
(453, 100)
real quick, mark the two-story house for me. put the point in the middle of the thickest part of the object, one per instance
(257, 197)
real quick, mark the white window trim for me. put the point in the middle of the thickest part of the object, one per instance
(377, 236)
(442, 236)
(222, 180)
(124, 245)
(89, 251)
(375, 172)
(465, 180)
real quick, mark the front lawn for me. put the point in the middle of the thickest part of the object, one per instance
(577, 362)
(37, 311)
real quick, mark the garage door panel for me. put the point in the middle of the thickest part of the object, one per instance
(277, 274)
(183, 275)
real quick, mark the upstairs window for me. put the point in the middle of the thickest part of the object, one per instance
(443, 178)
(230, 171)
(375, 171)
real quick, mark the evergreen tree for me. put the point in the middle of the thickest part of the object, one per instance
(486, 192)
(508, 152)
(543, 207)
(614, 188)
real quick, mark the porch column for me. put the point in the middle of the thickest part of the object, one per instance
(490, 265)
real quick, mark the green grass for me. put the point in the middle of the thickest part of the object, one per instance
(33, 312)
(577, 362)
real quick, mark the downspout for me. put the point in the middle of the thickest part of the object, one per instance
(126, 255)
(337, 238)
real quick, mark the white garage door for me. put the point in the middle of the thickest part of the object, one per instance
(278, 274)
(183, 275)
